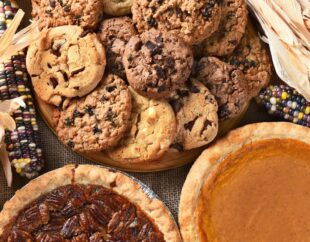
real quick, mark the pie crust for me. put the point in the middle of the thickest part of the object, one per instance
(195, 211)
(91, 175)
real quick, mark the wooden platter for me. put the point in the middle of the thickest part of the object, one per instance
(170, 160)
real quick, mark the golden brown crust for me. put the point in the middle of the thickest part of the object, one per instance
(216, 153)
(95, 175)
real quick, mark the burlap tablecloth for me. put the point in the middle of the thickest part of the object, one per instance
(167, 185)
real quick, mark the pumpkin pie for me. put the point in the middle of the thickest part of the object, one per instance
(253, 185)
(85, 203)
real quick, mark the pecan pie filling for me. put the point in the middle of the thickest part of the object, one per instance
(83, 213)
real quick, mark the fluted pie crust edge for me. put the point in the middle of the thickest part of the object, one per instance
(93, 175)
(212, 156)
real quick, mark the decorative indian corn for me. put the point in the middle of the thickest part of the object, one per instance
(285, 102)
(21, 144)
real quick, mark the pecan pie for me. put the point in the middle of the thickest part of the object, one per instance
(85, 203)
(251, 186)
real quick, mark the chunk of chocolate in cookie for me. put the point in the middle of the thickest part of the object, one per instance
(192, 21)
(53, 13)
(157, 63)
(226, 83)
(114, 34)
(92, 124)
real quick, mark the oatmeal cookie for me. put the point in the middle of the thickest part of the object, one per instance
(193, 21)
(252, 58)
(99, 120)
(52, 13)
(231, 29)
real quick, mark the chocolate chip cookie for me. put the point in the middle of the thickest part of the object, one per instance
(153, 127)
(52, 13)
(97, 121)
(232, 27)
(226, 83)
(64, 63)
(156, 63)
(252, 58)
(196, 113)
(115, 34)
(193, 21)
(117, 7)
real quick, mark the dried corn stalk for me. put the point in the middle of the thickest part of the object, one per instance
(286, 25)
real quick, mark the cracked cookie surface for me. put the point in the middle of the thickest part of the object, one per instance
(117, 7)
(226, 83)
(196, 113)
(153, 127)
(252, 58)
(65, 63)
(97, 121)
(156, 63)
(193, 21)
(114, 34)
(231, 29)
(52, 13)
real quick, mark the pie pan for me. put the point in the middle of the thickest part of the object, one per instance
(252, 185)
(107, 204)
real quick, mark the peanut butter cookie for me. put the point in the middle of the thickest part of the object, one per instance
(66, 62)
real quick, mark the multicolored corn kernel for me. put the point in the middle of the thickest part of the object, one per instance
(285, 102)
(22, 144)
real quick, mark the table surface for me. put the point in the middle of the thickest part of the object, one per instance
(167, 185)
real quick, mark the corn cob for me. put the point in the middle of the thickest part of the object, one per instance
(285, 102)
(21, 144)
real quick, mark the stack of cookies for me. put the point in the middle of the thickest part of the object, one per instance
(136, 87)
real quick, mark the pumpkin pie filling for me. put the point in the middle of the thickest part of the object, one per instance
(258, 193)
(82, 213)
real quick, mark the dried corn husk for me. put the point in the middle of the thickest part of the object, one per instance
(7, 122)
(11, 43)
(286, 30)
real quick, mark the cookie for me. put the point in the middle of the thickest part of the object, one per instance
(156, 63)
(99, 120)
(64, 63)
(117, 7)
(153, 127)
(114, 34)
(196, 113)
(52, 13)
(231, 29)
(193, 21)
(252, 58)
(226, 83)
